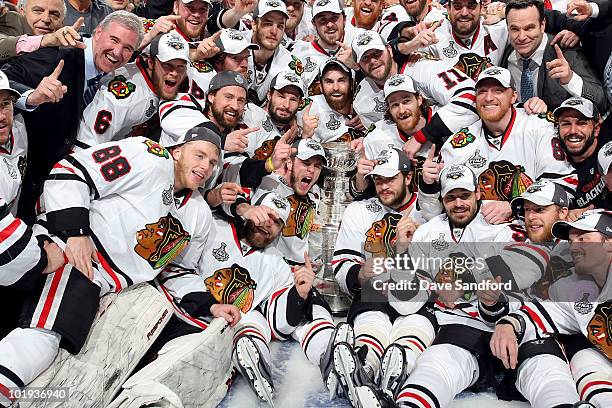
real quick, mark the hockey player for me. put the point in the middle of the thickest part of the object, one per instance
(580, 139)
(237, 268)
(508, 149)
(270, 18)
(372, 229)
(328, 19)
(364, 15)
(191, 24)
(604, 161)
(333, 108)
(541, 366)
(297, 27)
(126, 101)
(92, 197)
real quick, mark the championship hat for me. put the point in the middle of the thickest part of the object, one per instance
(582, 105)
(277, 202)
(543, 192)
(234, 42)
(264, 7)
(323, 68)
(591, 220)
(501, 75)
(457, 176)
(169, 46)
(399, 82)
(287, 78)
(321, 6)
(6, 86)
(307, 148)
(227, 78)
(604, 159)
(365, 41)
(206, 131)
(389, 162)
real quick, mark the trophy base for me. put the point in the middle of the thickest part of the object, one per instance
(338, 302)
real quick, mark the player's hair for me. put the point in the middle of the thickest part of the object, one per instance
(523, 4)
(129, 20)
(23, 4)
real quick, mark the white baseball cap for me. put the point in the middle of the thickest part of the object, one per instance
(333, 61)
(457, 176)
(169, 46)
(234, 42)
(501, 75)
(277, 202)
(542, 192)
(287, 78)
(389, 162)
(5, 85)
(205, 1)
(399, 82)
(307, 148)
(591, 220)
(604, 158)
(321, 6)
(582, 105)
(264, 7)
(365, 41)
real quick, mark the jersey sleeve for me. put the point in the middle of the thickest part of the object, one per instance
(176, 117)
(97, 172)
(550, 155)
(546, 318)
(348, 254)
(22, 259)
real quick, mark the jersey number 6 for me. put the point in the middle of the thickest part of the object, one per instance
(114, 165)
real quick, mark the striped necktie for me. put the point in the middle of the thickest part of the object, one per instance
(92, 87)
(526, 81)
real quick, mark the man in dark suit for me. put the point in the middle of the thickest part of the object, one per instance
(56, 85)
(540, 69)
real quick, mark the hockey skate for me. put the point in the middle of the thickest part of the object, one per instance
(254, 368)
(370, 397)
(350, 370)
(342, 333)
(392, 369)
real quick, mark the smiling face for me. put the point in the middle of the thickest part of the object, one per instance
(295, 9)
(264, 235)
(269, 29)
(493, 101)
(577, 133)
(283, 104)
(392, 191)
(330, 28)
(227, 106)
(367, 12)
(461, 206)
(464, 16)
(6, 116)
(336, 88)
(234, 62)
(405, 110)
(414, 7)
(194, 163)
(113, 46)
(589, 250)
(193, 17)
(305, 173)
(377, 64)
(525, 30)
(167, 76)
(44, 16)
(539, 220)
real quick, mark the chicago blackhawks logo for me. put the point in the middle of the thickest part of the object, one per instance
(265, 150)
(462, 138)
(232, 286)
(503, 181)
(156, 149)
(120, 87)
(159, 243)
(203, 67)
(296, 65)
(599, 329)
(472, 64)
(300, 218)
(380, 238)
(547, 116)
(147, 24)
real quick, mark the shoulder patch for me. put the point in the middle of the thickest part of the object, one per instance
(304, 104)
(156, 149)
(462, 138)
(201, 66)
(548, 116)
(121, 87)
(147, 24)
(296, 65)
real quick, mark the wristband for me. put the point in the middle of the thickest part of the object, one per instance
(269, 163)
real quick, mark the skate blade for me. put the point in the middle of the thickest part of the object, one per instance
(393, 365)
(248, 357)
(345, 366)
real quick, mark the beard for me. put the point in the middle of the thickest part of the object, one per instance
(420, 6)
(462, 222)
(292, 23)
(464, 30)
(339, 104)
(397, 200)
(365, 20)
(159, 85)
(383, 77)
(221, 120)
(408, 124)
(588, 142)
(265, 43)
(495, 116)
(279, 119)
(255, 237)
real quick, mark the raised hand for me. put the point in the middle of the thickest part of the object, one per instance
(310, 123)
(303, 277)
(364, 166)
(559, 68)
(258, 214)
(244, 7)
(67, 36)
(431, 169)
(535, 106)
(406, 227)
(50, 89)
(238, 140)
(226, 193)
(411, 147)
(566, 39)
(165, 24)
(282, 150)
(424, 38)
(207, 47)
(579, 10)
(345, 55)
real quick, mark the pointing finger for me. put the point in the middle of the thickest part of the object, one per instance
(77, 24)
(58, 70)
(559, 52)
(431, 153)
(307, 261)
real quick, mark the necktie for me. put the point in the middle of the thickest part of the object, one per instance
(526, 81)
(92, 87)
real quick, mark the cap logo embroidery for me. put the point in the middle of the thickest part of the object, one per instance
(279, 202)
(396, 80)
(364, 39)
(273, 3)
(493, 71)
(175, 43)
(455, 172)
(292, 78)
(313, 145)
(235, 35)
(534, 188)
(608, 150)
(323, 3)
(574, 102)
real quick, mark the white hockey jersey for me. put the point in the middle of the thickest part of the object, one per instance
(125, 101)
(367, 230)
(332, 125)
(13, 162)
(123, 193)
(488, 41)
(369, 102)
(312, 56)
(508, 164)
(200, 73)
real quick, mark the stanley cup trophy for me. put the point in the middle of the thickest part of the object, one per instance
(341, 160)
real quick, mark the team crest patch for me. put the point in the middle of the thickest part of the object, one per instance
(296, 65)
(201, 66)
(439, 244)
(22, 165)
(462, 138)
(272, 3)
(583, 306)
(374, 207)
(476, 161)
(301, 216)
(156, 149)
(232, 286)
(12, 172)
(304, 104)
(472, 64)
(380, 237)
(534, 188)
(313, 145)
(310, 66)
(147, 24)
(333, 123)
(503, 181)
(167, 196)
(265, 150)
(383, 157)
(175, 42)
(235, 35)
(294, 79)
(599, 329)
(380, 106)
(574, 102)
(121, 87)
(450, 51)
(492, 71)
(267, 124)
(548, 116)
(322, 3)
(455, 173)
(160, 242)
(220, 254)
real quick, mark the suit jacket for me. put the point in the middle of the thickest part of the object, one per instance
(12, 26)
(52, 127)
(551, 91)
